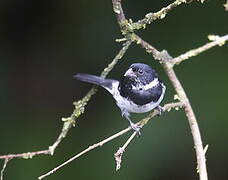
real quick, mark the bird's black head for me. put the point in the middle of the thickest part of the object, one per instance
(141, 72)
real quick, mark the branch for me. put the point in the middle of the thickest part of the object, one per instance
(27, 155)
(127, 29)
(70, 121)
(121, 150)
(198, 145)
(144, 121)
(150, 17)
(80, 105)
(117, 8)
(3, 168)
(216, 41)
(165, 60)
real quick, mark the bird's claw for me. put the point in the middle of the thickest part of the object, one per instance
(160, 110)
(136, 128)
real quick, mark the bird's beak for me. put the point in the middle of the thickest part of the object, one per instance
(130, 73)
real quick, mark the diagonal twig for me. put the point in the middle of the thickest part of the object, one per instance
(118, 155)
(4, 167)
(150, 17)
(70, 121)
(216, 41)
(144, 121)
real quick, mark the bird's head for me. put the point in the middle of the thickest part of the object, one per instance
(141, 72)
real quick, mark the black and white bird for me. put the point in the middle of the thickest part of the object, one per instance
(140, 90)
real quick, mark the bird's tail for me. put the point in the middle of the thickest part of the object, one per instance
(100, 81)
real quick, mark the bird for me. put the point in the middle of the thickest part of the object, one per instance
(139, 90)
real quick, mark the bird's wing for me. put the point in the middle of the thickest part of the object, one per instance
(146, 96)
(100, 81)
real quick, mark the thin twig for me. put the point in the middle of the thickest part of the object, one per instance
(217, 41)
(80, 105)
(70, 121)
(4, 167)
(85, 151)
(27, 155)
(118, 155)
(120, 54)
(167, 107)
(150, 17)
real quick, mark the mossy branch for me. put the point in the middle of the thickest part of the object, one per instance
(151, 17)
(128, 28)
(167, 63)
(69, 122)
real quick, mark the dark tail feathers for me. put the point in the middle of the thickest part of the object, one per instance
(106, 83)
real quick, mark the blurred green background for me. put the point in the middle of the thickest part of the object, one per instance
(44, 43)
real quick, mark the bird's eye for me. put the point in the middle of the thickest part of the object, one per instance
(140, 71)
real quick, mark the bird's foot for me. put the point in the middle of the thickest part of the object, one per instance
(160, 110)
(136, 128)
(133, 126)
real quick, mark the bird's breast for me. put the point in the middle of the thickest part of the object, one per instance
(139, 100)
